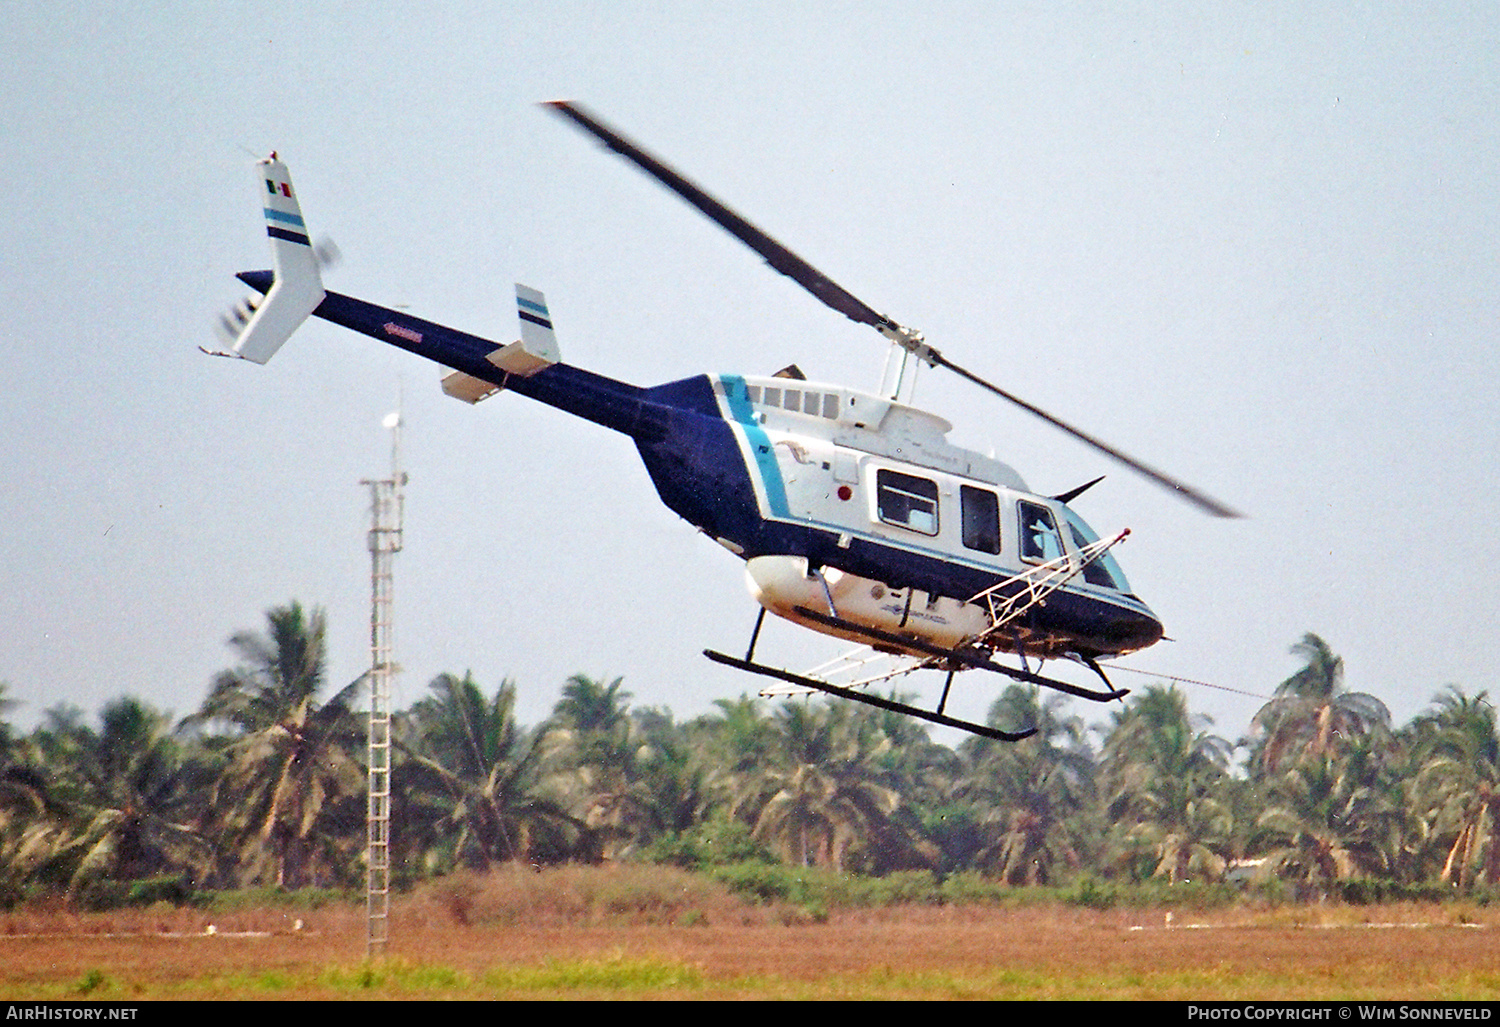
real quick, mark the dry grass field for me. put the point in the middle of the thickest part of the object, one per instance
(603, 933)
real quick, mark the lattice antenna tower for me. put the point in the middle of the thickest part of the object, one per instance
(387, 502)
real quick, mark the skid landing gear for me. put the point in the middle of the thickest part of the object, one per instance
(952, 660)
(868, 699)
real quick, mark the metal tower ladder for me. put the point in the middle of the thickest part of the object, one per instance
(386, 509)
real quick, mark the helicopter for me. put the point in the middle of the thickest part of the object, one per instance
(854, 515)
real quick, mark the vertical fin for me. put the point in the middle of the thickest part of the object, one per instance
(257, 327)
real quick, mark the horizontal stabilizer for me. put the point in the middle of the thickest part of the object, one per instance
(256, 328)
(468, 388)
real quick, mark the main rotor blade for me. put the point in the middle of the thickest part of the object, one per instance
(777, 255)
(1192, 495)
(840, 299)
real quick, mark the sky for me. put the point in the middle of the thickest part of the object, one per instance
(1254, 244)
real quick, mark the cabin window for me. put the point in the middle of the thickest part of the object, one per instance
(981, 516)
(907, 501)
(798, 401)
(1040, 541)
(1104, 572)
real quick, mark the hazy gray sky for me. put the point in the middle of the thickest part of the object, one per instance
(1252, 243)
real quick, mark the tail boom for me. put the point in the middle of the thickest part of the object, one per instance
(605, 401)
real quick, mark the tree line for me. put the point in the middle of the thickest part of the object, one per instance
(264, 785)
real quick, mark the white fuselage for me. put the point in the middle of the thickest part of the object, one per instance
(881, 474)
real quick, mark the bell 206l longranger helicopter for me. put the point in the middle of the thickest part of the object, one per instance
(853, 513)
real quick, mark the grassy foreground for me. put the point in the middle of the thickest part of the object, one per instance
(652, 933)
(642, 980)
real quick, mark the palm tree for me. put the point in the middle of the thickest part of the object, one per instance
(291, 794)
(672, 780)
(822, 798)
(734, 743)
(7, 733)
(1032, 796)
(1459, 782)
(1310, 713)
(588, 705)
(1327, 819)
(922, 770)
(472, 775)
(131, 780)
(22, 788)
(730, 746)
(36, 824)
(592, 757)
(1162, 778)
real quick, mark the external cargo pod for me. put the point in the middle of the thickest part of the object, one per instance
(783, 583)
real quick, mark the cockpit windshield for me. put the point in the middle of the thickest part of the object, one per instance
(1104, 571)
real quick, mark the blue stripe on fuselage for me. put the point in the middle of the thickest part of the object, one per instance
(760, 444)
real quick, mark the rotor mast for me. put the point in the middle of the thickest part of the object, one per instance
(908, 349)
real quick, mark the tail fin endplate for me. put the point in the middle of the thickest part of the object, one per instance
(536, 350)
(257, 327)
(538, 346)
